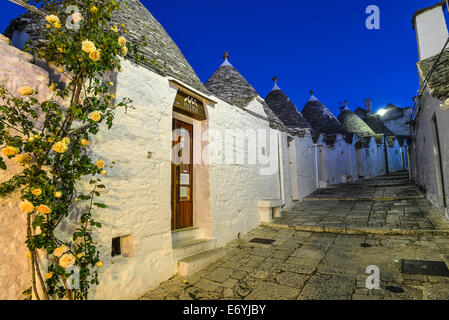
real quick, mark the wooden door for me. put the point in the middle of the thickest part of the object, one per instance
(182, 175)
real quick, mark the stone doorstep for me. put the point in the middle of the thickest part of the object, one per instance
(187, 234)
(188, 248)
(360, 230)
(195, 263)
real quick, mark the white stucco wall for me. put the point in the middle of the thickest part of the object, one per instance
(394, 157)
(432, 33)
(337, 164)
(237, 188)
(423, 159)
(305, 166)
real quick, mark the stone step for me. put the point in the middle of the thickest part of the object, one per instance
(186, 234)
(6, 49)
(195, 263)
(188, 248)
(4, 39)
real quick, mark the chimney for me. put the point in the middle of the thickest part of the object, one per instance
(431, 30)
(368, 107)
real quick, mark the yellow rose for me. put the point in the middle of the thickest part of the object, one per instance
(30, 139)
(67, 260)
(58, 194)
(80, 255)
(95, 116)
(83, 142)
(57, 25)
(10, 151)
(88, 46)
(100, 164)
(94, 55)
(59, 69)
(94, 9)
(75, 200)
(48, 26)
(60, 251)
(114, 28)
(66, 140)
(61, 50)
(99, 264)
(36, 192)
(123, 26)
(52, 19)
(53, 86)
(121, 41)
(24, 159)
(43, 209)
(111, 83)
(26, 91)
(48, 275)
(104, 172)
(26, 206)
(60, 147)
(124, 51)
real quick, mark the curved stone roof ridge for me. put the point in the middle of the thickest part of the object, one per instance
(162, 53)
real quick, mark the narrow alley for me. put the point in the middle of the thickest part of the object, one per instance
(322, 248)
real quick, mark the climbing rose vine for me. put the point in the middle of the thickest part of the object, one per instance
(50, 140)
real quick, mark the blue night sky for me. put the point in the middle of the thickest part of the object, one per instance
(320, 45)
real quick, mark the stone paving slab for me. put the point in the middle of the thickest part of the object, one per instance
(359, 208)
(318, 254)
(313, 266)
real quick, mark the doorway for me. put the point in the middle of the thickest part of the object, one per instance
(438, 162)
(182, 175)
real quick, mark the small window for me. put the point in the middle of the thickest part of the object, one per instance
(263, 151)
(116, 250)
(123, 246)
(342, 154)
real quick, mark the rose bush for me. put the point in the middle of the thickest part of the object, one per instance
(49, 138)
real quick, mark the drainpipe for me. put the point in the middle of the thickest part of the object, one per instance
(281, 169)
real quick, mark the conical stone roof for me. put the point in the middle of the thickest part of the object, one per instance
(229, 85)
(353, 123)
(321, 118)
(162, 53)
(376, 125)
(285, 109)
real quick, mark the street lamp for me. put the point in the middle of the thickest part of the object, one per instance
(381, 113)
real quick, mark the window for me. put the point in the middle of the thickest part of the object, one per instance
(122, 246)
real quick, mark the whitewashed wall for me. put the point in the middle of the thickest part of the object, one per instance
(304, 163)
(337, 163)
(235, 188)
(423, 160)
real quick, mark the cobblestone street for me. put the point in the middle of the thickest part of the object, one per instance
(317, 251)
